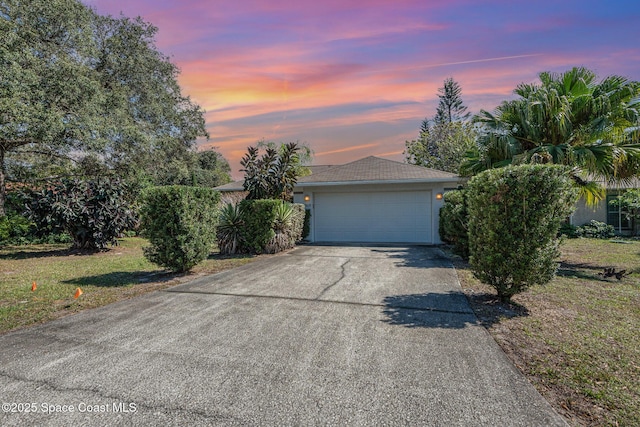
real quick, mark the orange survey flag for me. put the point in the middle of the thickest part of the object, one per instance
(78, 293)
(34, 286)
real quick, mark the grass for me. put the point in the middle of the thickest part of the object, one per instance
(577, 338)
(104, 277)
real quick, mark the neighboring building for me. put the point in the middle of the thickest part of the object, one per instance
(372, 200)
(603, 211)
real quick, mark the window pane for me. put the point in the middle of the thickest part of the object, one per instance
(614, 217)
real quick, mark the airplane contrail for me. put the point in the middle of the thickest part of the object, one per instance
(444, 64)
(500, 58)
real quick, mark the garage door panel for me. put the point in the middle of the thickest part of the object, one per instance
(402, 216)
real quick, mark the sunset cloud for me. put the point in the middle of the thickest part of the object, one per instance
(352, 80)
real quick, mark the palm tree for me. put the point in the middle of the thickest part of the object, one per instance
(568, 119)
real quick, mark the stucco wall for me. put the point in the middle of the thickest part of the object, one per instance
(584, 213)
(435, 188)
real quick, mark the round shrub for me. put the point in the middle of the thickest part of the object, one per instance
(514, 217)
(596, 230)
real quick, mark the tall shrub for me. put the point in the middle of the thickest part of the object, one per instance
(180, 223)
(454, 222)
(514, 217)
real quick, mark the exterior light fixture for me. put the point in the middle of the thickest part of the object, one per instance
(307, 198)
(438, 196)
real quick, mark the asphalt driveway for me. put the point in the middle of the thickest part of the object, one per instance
(322, 335)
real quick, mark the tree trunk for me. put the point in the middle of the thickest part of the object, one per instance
(3, 190)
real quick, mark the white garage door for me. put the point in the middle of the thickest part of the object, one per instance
(399, 216)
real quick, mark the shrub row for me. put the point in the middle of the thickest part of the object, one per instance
(260, 226)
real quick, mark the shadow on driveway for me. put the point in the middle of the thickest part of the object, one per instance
(447, 310)
(429, 310)
(413, 256)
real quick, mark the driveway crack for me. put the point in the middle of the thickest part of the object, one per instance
(342, 276)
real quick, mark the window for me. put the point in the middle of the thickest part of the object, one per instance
(614, 217)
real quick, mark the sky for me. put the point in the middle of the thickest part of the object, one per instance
(352, 79)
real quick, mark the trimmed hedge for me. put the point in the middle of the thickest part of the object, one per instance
(514, 217)
(454, 222)
(180, 223)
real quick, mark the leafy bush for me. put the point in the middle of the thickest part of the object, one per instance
(306, 225)
(259, 216)
(18, 230)
(596, 230)
(15, 229)
(287, 227)
(568, 230)
(269, 226)
(273, 175)
(454, 222)
(297, 222)
(514, 217)
(94, 213)
(180, 223)
(282, 224)
(229, 231)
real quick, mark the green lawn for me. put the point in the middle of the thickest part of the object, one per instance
(577, 338)
(104, 277)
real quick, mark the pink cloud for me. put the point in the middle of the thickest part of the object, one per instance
(354, 79)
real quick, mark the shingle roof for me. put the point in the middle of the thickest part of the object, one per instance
(371, 169)
(622, 185)
(239, 185)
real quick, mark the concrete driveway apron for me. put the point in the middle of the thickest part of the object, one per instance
(321, 335)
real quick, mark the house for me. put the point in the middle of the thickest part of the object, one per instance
(603, 211)
(371, 200)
